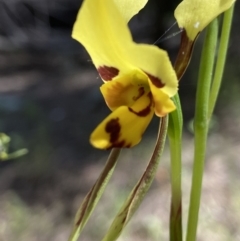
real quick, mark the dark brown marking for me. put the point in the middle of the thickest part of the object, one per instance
(107, 73)
(124, 219)
(179, 212)
(120, 144)
(176, 213)
(140, 93)
(113, 128)
(84, 206)
(155, 81)
(183, 60)
(145, 111)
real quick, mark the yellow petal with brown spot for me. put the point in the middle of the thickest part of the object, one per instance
(163, 103)
(125, 90)
(125, 126)
(103, 31)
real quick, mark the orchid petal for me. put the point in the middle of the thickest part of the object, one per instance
(163, 104)
(129, 8)
(125, 126)
(125, 90)
(195, 15)
(103, 31)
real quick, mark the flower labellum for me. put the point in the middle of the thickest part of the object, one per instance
(195, 15)
(138, 78)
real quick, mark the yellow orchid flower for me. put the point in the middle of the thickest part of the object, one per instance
(138, 78)
(195, 15)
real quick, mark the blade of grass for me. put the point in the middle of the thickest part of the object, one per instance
(201, 126)
(93, 196)
(137, 194)
(175, 143)
(221, 59)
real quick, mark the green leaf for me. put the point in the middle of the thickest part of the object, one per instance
(4, 145)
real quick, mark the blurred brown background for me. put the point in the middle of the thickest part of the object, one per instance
(50, 102)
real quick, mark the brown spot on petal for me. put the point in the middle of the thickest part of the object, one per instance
(107, 73)
(141, 113)
(120, 144)
(145, 111)
(155, 81)
(113, 128)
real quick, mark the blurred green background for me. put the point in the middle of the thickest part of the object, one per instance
(50, 102)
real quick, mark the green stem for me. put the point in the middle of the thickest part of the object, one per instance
(175, 142)
(91, 199)
(222, 53)
(201, 126)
